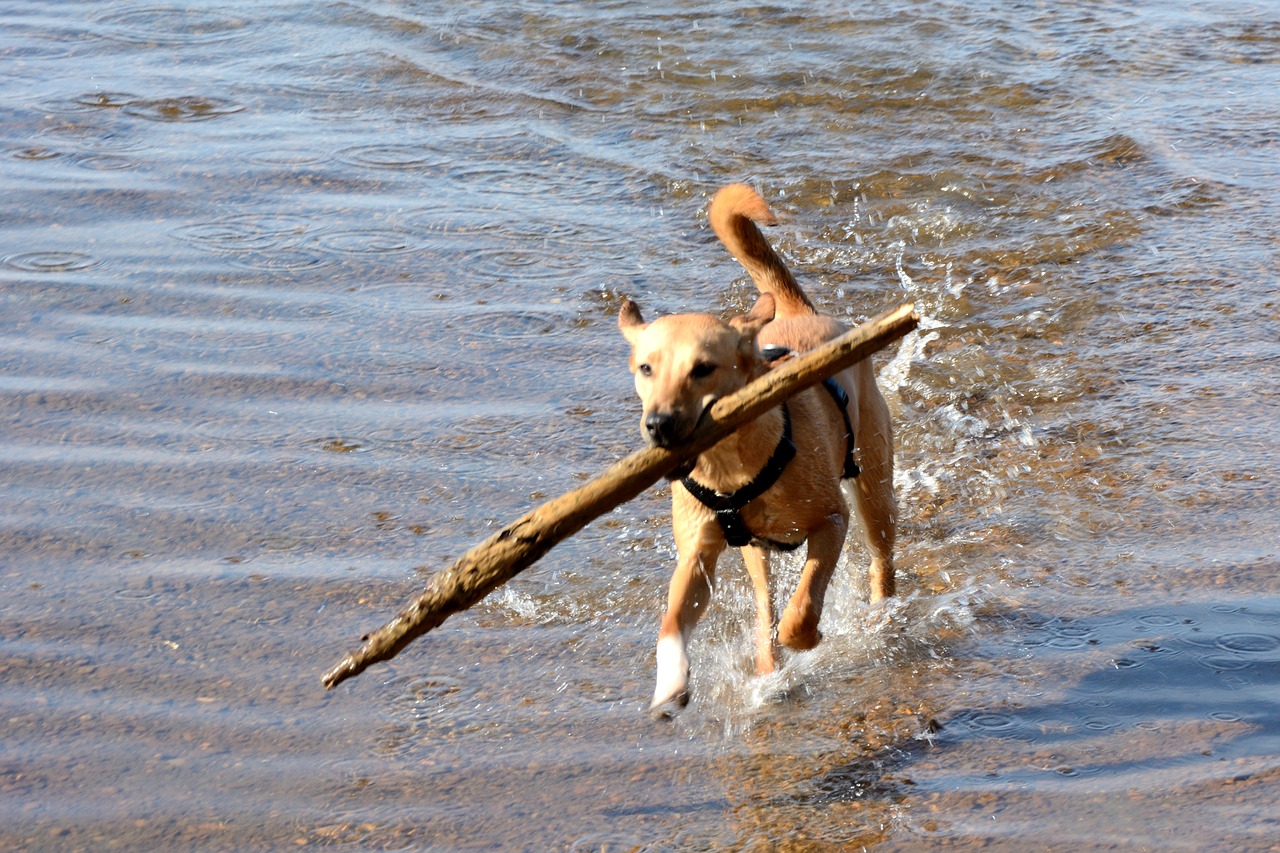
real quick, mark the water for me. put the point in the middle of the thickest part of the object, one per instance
(299, 302)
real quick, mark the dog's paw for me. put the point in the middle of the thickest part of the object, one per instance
(800, 639)
(672, 683)
(666, 708)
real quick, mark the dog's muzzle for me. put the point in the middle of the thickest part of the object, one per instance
(667, 430)
(661, 429)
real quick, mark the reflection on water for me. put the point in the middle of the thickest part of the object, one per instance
(297, 303)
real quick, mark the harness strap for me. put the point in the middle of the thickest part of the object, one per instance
(728, 507)
(851, 469)
(841, 397)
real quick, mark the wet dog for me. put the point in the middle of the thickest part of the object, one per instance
(775, 483)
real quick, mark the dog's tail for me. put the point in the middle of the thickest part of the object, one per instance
(734, 212)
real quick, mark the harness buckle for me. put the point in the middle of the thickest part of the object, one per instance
(733, 527)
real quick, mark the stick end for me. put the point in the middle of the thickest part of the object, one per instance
(340, 673)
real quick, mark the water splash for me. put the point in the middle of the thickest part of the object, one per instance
(894, 375)
(860, 642)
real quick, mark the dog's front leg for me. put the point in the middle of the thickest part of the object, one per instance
(798, 628)
(687, 598)
(757, 560)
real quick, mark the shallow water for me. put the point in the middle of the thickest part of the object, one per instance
(298, 302)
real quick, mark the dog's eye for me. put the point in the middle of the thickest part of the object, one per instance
(702, 370)
(645, 370)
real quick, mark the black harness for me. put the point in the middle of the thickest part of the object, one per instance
(728, 507)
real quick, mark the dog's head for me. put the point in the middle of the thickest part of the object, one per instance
(685, 362)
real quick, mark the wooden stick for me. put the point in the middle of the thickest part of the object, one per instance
(519, 545)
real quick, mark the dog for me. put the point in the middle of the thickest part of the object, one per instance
(775, 483)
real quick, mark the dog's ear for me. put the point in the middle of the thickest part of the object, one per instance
(630, 321)
(750, 323)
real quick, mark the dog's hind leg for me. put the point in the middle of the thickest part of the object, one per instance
(873, 492)
(757, 560)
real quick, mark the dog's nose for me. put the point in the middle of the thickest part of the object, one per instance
(660, 428)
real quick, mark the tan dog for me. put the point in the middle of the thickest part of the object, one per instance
(763, 495)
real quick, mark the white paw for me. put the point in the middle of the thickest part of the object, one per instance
(673, 676)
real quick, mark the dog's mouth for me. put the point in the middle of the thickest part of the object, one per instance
(668, 439)
(702, 416)
(671, 431)
(686, 468)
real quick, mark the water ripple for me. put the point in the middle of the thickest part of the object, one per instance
(369, 241)
(246, 231)
(991, 721)
(34, 153)
(184, 108)
(512, 324)
(530, 261)
(161, 109)
(285, 158)
(343, 445)
(398, 157)
(297, 259)
(100, 100)
(105, 162)
(50, 261)
(288, 242)
(1248, 644)
(170, 26)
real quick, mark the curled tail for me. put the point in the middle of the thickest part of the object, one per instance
(734, 212)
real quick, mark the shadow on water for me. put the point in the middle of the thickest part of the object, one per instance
(1182, 693)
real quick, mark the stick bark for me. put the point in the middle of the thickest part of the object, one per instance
(520, 544)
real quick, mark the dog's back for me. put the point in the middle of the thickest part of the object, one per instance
(734, 212)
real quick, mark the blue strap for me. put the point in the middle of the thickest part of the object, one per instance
(776, 351)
